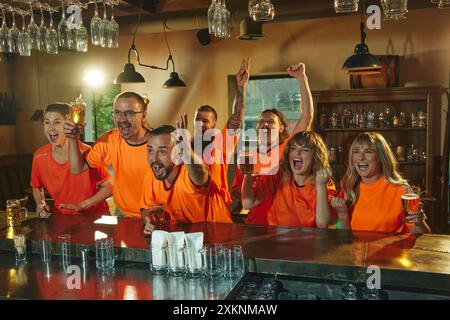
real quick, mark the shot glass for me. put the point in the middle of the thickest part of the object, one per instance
(64, 250)
(193, 262)
(176, 263)
(45, 250)
(233, 262)
(20, 248)
(104, 254)
(213, 260)
(158, 258)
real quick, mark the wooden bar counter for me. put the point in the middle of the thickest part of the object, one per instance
(420, 263)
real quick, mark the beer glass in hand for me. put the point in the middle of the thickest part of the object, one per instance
(78, 111)
(246, 162)
(158, 217)
(412, 211)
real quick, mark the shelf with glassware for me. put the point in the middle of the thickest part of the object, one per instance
(409, 119)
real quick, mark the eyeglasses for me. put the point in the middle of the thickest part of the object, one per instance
(130, 115)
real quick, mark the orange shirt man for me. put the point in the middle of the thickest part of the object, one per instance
(179, 180)
(123, 148)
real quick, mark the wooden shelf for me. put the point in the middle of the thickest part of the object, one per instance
(370, 129)
(402, 163)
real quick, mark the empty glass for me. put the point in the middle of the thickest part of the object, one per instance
(96, 26)
(42, 33)
(13, 35)
(193, 262)
(4, 31)
(158, 258)
(64, 241)
(213, 260)
(176, 263)
(64, 34)
(45, 250)
(24, 38)
(81, 37)
(261, 10)
(233, 262)
(20, 247)
(394, 9)
(346, 6)
(113, 31)
(104, 28)
(33, 31)
(51, 37)
(104, 254)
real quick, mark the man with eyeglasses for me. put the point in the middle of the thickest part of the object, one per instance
(122, 148)
(273, 135)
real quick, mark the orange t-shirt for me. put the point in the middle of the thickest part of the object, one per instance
(184, 201)
(217, 157)
(65, 187)
(379, 207)
(258, 215)
(292, 205)
(129, 165)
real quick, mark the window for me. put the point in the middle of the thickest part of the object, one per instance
(101, 101)
(272, 91)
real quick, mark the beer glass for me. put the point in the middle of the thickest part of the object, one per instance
(246, 161)
(13, 213)
(234, 262)
(104, 254)
(158, 217)
(411, 207)
(213, 260)
(78, 112)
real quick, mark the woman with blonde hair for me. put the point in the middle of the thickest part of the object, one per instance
(371, 190)
(301, 190)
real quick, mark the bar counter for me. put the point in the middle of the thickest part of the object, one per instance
(419, 263)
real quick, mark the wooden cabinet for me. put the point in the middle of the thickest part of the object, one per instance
(337, 111)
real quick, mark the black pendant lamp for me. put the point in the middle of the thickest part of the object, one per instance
(362, 62)
(130, 75)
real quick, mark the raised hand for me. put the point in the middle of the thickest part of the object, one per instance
(297, 70)
(243, 74)
(323, 176)
(182, 137)
(71, 129)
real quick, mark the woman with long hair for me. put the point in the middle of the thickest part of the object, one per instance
(301, 190)
(371, 190)
(273, 134)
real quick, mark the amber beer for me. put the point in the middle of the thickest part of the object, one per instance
(158, 217)
(411, 204)
(78, 111)
(246, 163)
(12, 213)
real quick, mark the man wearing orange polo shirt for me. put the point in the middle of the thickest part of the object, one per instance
(123, 148)
(179, 180)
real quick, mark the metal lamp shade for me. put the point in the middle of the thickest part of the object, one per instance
(129, 75)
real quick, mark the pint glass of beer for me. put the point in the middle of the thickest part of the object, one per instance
(158, 217)
(246, 161)
(13, 213)
(78, 111)
(411, 206)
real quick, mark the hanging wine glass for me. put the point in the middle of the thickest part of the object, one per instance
(96, 25)
(104, 28)
(42, 31)
(261, 10)
(63, 31)
(13, 34)
(51, 37)
(81, 37)
(24, 40)
(33, 30)
(4, 31)
(113, 32)
(211, 11)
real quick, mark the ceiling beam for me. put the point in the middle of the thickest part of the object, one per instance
(149, 6)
